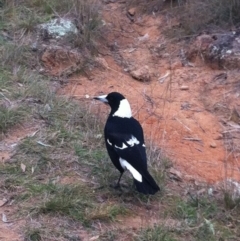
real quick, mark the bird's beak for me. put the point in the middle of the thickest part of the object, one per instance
(102, 98)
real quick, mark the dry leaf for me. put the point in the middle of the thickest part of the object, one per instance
(43, 144)
(4, 218)
(23, 167)
(94, 238)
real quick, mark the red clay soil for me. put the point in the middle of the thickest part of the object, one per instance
(185, 123)
(14, 136)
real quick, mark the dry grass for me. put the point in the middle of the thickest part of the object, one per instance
(196, 16)
(61, 173)
(193, 16)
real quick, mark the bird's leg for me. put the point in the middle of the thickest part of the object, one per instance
(118, 183)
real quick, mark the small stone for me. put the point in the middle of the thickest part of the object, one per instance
(141, 74)
(210, 191)
(184, 87)
(213, 145)
(34, 47)
(102, 62)
(219, 137)
(41, 71)
(144, 37)
(132, 11)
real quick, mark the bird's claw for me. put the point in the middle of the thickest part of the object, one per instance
(118, 186)
(115, 186)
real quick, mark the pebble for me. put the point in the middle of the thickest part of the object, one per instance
(213, 145)
(219, 137)
(184, 87)
(132, 11)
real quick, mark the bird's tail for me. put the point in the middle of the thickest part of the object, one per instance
(148, 185)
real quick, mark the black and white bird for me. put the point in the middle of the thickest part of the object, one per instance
(125, 143)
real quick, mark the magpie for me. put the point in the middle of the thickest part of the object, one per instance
(124, 141)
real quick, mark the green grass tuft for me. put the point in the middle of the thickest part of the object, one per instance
(33, 235)
(68, 200)
(156, 233)
(9, 117)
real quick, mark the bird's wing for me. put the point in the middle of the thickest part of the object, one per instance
(129, 148)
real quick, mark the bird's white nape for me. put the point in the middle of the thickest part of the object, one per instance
(129, 167)
(124, 109)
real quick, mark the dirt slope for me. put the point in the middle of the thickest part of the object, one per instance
(184, 112)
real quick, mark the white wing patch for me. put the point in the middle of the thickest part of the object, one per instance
(129, 167)
(123, 146)
(143, 145)
(124, 109)
(133, 141)
(109, 142)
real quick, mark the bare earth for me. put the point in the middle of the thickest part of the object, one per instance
(185, 110)
(187, 124)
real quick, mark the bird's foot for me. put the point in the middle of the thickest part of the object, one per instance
(118, 186)
(115, 186)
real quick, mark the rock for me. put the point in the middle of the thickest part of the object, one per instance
(132, 11)
(213, 144)
(62, 60)
(102, 62)
(219, 51)
(184, 87)
(199, 47)
(219, 137)
(144, 37)
(58, 27)
(141, 74)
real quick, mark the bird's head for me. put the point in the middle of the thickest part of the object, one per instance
(119, 105)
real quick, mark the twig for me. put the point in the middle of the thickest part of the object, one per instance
(182, 124)
(191, 139)
(162, 78)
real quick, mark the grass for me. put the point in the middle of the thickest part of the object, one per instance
(194, 16)
(33, 235)
(71, 201)
(156, 233)
(10, 117)
(25, 18)
(67, 171)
